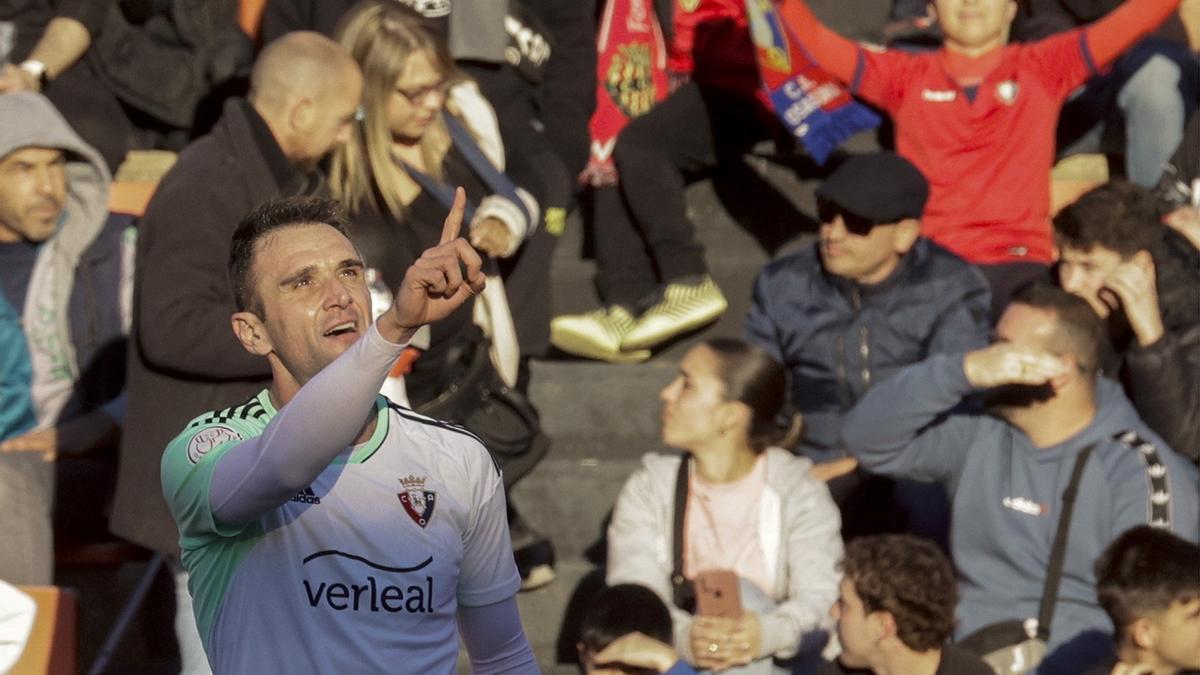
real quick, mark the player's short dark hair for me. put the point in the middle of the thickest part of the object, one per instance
(623, 609)
(911, 579)
(1080, 331)
(265, 219)
(1117, 215)
(752, 376)
(1143, 571)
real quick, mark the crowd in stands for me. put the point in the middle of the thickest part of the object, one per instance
(958, 433)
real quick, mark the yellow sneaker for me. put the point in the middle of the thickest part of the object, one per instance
(684, 307)
(596, 335)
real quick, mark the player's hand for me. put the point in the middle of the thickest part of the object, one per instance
(491, 236)
(14, 79)
(1131, 287)
(637, 650)
(440, 281)
(736, 641)
(1004, 363)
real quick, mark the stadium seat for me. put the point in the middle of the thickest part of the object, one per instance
(50, 649)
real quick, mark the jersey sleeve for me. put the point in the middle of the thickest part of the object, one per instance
(1062, 62)
(187, 473)
(877, 75)
(882, 76)
(489, 572)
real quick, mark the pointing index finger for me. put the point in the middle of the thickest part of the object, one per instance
(454, 219)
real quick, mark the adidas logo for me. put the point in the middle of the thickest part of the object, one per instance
(306, 496)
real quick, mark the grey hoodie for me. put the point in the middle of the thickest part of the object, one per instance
(1005, 496)
(57, 349)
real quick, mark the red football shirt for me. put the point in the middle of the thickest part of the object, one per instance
(987, 160)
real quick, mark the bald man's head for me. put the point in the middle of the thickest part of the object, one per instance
(307, 89)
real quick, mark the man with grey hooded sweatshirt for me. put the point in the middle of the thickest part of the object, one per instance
(65, 269)
(1005, 470)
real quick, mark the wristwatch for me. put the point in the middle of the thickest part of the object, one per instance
(37, 69)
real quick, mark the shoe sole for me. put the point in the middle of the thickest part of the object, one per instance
(699, 321)
(577, 344)
(538, 576)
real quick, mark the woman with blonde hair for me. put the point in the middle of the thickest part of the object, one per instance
(734, 501)
(424, 130)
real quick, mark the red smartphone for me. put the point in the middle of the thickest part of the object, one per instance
(718, 594)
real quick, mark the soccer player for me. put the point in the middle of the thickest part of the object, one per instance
(324, 528)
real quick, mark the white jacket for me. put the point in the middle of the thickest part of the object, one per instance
(799, 530)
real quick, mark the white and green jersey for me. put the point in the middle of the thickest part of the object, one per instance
(364, 568)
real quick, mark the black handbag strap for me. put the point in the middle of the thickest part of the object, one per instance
(1059, 552)
(681, 497)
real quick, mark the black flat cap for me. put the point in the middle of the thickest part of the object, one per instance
(882, 187)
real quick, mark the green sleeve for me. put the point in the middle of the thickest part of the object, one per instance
(187, 471)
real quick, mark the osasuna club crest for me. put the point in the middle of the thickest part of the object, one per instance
(418, 502)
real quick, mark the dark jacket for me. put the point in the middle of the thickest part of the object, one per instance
(183, 356)
(838, 338)
(1163, 379)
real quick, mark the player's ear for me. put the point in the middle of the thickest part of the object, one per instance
(251, 332)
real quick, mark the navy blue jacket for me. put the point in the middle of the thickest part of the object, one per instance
(838, 338)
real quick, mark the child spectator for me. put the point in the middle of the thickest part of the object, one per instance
(978, 118)
(1148, 581)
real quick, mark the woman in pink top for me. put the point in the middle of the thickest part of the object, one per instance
(748, 506)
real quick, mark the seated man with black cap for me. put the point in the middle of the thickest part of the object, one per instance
(869, 297)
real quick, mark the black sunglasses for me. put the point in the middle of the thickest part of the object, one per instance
(827, 211)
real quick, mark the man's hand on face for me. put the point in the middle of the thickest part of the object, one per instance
(14, 79)
(1132, 288)
(436, 285)
(1004, 363)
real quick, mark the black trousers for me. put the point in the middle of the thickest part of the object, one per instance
(532, 163)
(643, 236)
(93, 112)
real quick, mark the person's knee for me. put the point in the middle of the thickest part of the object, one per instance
(1153, 87)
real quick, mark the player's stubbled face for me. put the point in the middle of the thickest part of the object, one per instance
(314, 296)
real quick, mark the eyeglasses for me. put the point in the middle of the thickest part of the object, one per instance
(828, 211)
(423, 94)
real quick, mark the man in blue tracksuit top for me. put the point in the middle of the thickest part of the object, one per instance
(1005, 469)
